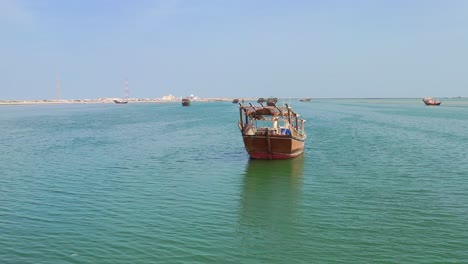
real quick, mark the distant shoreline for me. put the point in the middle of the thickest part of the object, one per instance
(108, 101)
(159, 100)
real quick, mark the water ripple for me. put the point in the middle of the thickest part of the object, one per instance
(158, 183)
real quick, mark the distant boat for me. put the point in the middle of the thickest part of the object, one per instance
(235, 101)
(305, 99)
(272, 101)
(431, 101)
(271, 132)
(123, 101)
(185, 102)
(120, 101)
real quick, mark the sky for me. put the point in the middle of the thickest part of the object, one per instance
(241, 48)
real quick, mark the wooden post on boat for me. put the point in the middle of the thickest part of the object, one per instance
(297, 125)
(246, 118)
(268, 143)
(289, 114)
(279, 111)
(241, 121)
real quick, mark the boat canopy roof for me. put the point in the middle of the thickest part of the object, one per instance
(258, 111)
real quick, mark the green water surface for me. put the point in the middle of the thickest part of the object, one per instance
(381, 181)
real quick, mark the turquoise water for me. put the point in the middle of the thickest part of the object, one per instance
(381, 181)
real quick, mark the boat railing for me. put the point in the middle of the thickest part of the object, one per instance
(295, 133)
(260, 131)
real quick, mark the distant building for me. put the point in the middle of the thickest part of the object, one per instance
(193, 97)
(169, 97)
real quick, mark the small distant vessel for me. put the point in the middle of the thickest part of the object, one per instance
(185, 102)
(123, 101)
(305, 99)
(431, 101)
(271, 132)
(235, 101)
(272, 101)
(120, 101)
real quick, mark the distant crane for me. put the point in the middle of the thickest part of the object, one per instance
(127, 91)
(58, 88)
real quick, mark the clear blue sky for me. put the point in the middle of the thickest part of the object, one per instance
(241, 48)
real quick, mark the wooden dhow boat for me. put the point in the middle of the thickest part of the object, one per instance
(185, 102)
(271, 101)
(120, 101)
(271, 132)
(431, 101)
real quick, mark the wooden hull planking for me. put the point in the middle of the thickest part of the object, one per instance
(273, 146)
(431, 101)
(435, 104)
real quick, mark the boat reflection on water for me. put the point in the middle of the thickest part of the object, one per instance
(271, 192)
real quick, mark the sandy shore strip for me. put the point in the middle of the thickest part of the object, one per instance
(111, 101)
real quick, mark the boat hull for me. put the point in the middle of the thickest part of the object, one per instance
(435, 104)
(273, 147)
(431, 101)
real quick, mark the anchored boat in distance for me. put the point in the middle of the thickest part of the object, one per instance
(431, 101)
(271, 101)
(271, 132)
(185, 102)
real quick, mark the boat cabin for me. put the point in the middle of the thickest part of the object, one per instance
(272, 119)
